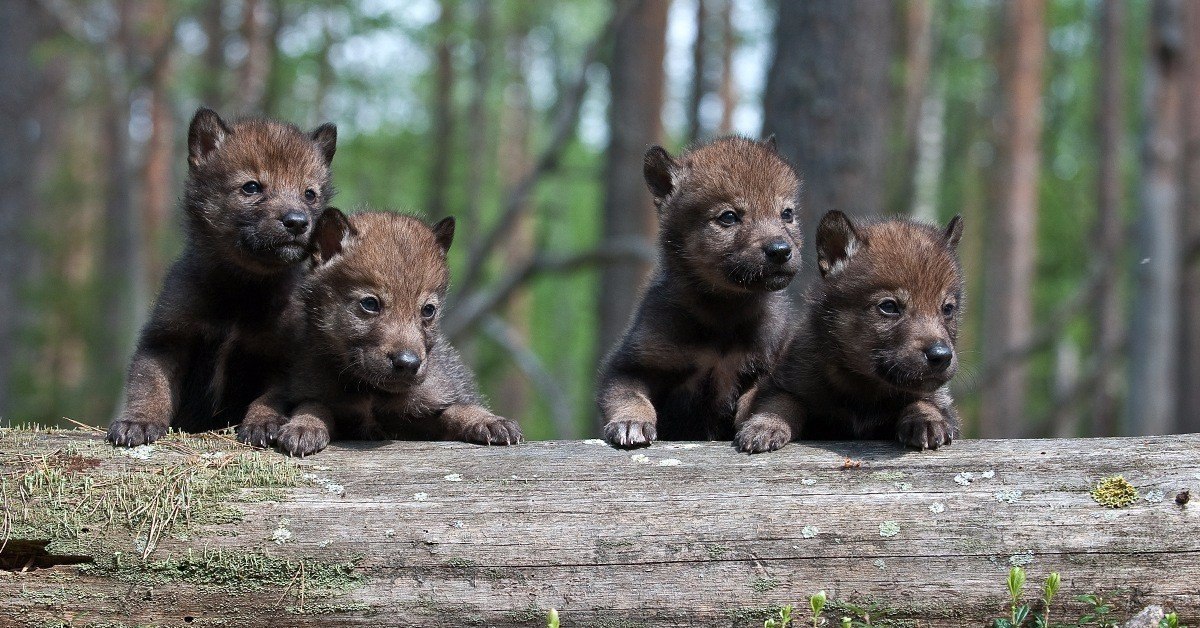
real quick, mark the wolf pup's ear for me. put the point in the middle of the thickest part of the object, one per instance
(331, 234)
(771, 143)
(443, 231)
(661, 172)
(205, 135)
(954, 232)
(837, 242)
(326, 138)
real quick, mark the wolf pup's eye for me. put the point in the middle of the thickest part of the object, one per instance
(428, 311)
(310, 195)
(252, 187)
(948, 310)
(370, 305)
(889, 307)
(787, 214)
(728, 218)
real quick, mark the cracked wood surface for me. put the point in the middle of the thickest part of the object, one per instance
(680, 534)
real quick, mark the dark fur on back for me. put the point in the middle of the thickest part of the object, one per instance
(219, 334)
(875, 349)
(373, 363)
(713, 318)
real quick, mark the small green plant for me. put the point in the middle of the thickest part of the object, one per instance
(1101, 614)
(783, 620)
(860, 616)
(552, 619)
(817, 604)
(1171, 620)
(1048, 591)
(1018, 612)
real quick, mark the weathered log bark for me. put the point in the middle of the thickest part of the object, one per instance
(683, 534)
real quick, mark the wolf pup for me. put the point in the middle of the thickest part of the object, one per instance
(713, 318)
(374, 363)
(875, 351)
(215, 340)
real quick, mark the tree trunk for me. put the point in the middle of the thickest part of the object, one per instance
(479, 158)
(442, 133)
(1154, 331)
(1189, 347)
(727, 90)
(23, 27)
(920, 103)
(212, 92)
(1007, 299)
(515, 160)
(256, 32)
(826, 101)
(1108, 234)
(636, 85)
(699, 82)
(158, 181)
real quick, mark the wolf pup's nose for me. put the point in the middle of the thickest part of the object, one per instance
(778, 251)
(295, 222)
(406, 361)
(939, 354)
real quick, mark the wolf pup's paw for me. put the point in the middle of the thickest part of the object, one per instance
(302, 438)
(923, 429)
(260, 430)
(129, 431)
(760, 434)
(493, 430)
(630, 434)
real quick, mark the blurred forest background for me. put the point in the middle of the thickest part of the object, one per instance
(1067, 132)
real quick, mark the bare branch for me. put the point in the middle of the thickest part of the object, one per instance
(563, 130)
(531, 365)
(474, 306)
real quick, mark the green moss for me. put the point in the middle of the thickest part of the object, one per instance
(1114, 491)
(756, 615)
(762, 585)
(531, 613)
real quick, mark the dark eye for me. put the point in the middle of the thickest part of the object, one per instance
(428, 311)
(370, 305)
(948, 310)
(310, 195)
(728, 218)
(252, 187)
(786, 215)
(889, 307)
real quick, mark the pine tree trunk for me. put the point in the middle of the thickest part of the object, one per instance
(699, 80)
(636, 87)
(1108, 314)
(827, 102)
(442, 133)
(1154, 331)
(1007, 300)
(1188, 418)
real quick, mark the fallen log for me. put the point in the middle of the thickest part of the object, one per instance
(198, 530)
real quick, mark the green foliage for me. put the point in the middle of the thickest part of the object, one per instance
(552, 619)
(784, 618)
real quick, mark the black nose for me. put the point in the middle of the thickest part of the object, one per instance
(406, 361)
(939, 355)
(778, 251)
(295, 222)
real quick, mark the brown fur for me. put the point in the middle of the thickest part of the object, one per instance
(855, 368)
(713, 318)
(352, 380)
(218, 336)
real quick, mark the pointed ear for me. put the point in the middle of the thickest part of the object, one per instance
(443, 231)
(837, 242)
(954, 232)
(660, 171)
(330, 235)
(771, 143)
(206, 134)
(326, 138)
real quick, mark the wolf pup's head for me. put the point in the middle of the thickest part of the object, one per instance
(891, 299)
(376, 293)
(256, 187)
(727, 213)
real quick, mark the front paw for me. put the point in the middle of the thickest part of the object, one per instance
(924, 431)
(494, 430)
(128, 431)
(630, 434)
(260, 431)
(301, 439)
(759, 435)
